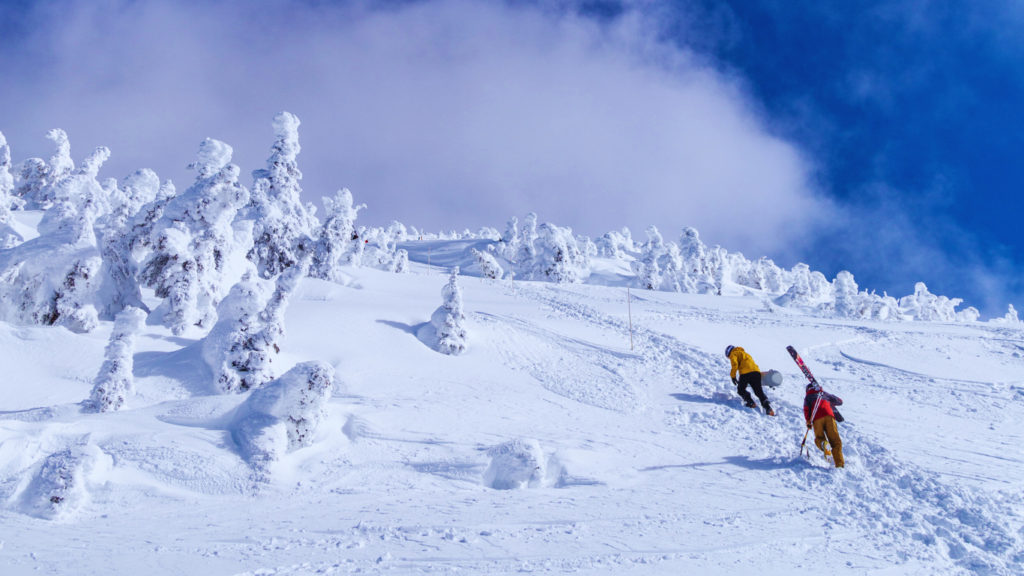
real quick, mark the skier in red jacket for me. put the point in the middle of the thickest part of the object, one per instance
(820, 415)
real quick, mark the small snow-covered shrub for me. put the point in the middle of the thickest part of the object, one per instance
(284, 415)
(114, 382)
(281, 222)
(489, 267)
(448, 320)
(515, 465)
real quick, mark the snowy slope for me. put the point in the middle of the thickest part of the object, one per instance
(650, 463)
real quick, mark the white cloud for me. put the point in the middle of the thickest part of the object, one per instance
(445, 114)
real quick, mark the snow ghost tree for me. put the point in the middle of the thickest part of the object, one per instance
(241, 346)
(281, 221)
(115, 382)
(923, 305)
(508, 247)
(646, 268)
(806, 289)
(556, 257)
(527, 252)
(400, 262)
(125, 232)
(611, 245)
(53, 279)
(38, 178)
(848, 301)
(284, 415)
(9, 237)
(338, 243)
(448, 320)
(196, 239)
(1010, 318)
(489, 267)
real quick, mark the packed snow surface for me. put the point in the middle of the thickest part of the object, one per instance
(550, 445)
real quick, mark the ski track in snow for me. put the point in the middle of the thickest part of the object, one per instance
(670, 474)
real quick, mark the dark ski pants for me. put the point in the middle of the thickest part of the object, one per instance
(752, 379)
(825, 427)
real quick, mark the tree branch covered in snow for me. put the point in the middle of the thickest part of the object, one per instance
(115, 382)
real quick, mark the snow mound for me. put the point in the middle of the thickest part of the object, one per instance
(516, 464)
(283, 416)
(60, 487)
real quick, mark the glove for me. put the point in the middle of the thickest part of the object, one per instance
(808, 425)
(735, 382)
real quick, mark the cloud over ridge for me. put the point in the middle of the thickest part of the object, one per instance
(443, 114)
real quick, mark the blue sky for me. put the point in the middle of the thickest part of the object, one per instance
(913, 106)
(876, 137)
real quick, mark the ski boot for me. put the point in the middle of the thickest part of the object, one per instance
(768, 409)
(750, 404)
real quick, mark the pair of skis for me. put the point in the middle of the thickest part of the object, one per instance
(807, 372)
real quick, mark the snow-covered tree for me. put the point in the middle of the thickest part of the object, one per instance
(806, 288)
(587, 246)
(925, 306)
(448, 320)
(400, 262)
(611, 245)
(527, 251)
(196, 239)
(489, 267)
(849, 303)
(38, 178)
(508, 248)
(646, 268)
(338, 243)
(52, 279)
(242, 344)
(9, 237)
(556, 256)
(114, 382)
(627, 238)
(1010, 318)
(281, 222)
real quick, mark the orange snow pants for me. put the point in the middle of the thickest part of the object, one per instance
(825, 427)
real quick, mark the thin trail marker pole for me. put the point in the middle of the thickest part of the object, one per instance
(629, 307)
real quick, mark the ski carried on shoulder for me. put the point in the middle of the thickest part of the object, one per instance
(807, 372)
(800, 362)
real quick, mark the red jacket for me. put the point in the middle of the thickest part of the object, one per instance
(824, 405)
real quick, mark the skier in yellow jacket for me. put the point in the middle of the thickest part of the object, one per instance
(750, 375)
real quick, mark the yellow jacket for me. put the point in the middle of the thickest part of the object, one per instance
(741, 362)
